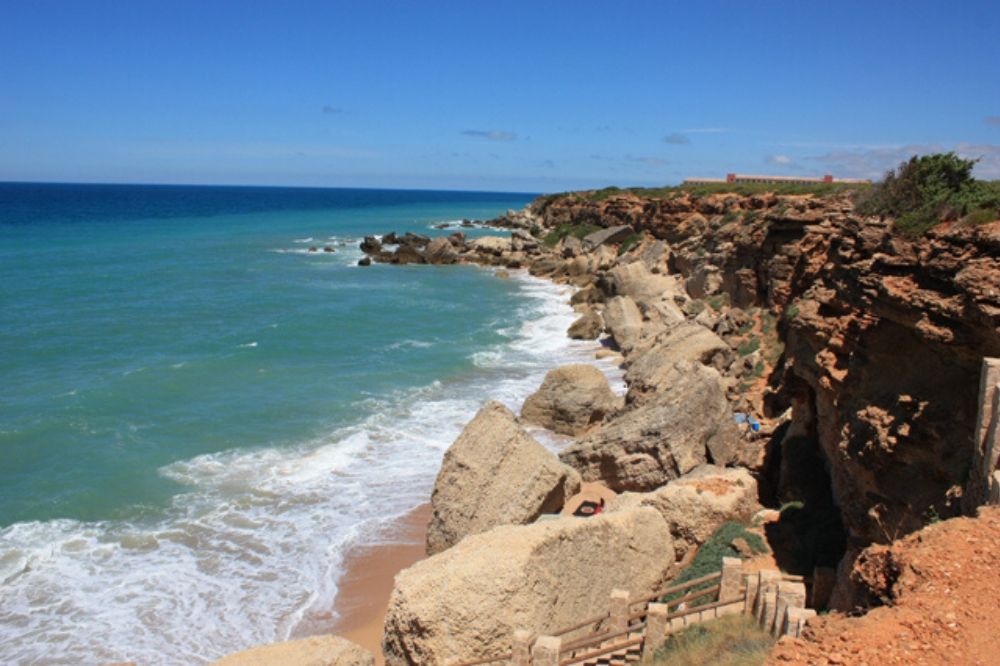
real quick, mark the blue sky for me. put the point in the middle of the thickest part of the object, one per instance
(532, 96)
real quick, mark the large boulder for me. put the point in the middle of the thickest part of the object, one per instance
(466, 602)
(641, 449)
(609, 235)
(698, 503)
(490, 245)
(441, 251)
(313, 651)
(572, 398)
(650, 369)
(587, 327)
(623, 321)
(494, 474)
(652, 293)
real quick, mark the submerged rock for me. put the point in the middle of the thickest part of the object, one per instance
(494, 474)
(466, 602)
(572, 398)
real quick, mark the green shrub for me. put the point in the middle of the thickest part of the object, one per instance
(749, 346)
(563, 230)
(733, 640)
(709, 557)
(751, 216)
(981, 216)
(730, 216)
(926, 189)
(718, 301)
(630, 241)
(792, 312)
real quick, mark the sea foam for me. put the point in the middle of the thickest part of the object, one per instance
(251, 552)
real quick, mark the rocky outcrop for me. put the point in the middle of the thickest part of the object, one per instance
(494, 474)
(609, 235)
(466, 602)
(624, 322)
(587, 327)
(641, 449)
(571, 400)
(313, 651)
(441, 251)
(650, 369)
(696, 504)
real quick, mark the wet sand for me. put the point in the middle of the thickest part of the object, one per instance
(368, 579)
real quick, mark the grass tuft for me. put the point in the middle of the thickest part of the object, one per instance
(733, 640)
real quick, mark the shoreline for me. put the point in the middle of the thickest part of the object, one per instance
(368, 578)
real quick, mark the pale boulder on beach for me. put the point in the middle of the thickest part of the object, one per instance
(313, 651)
(466, 602)
(495, 474)
(571, 400)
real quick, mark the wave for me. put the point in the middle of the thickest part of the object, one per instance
(251, 551)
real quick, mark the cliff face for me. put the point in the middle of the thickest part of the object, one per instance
(883, 335)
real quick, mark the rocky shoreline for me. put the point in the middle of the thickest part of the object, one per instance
(775, 348)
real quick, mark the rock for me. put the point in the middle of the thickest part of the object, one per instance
(706, 280)
(441, 251)
(390, 238)
(323, 650)
(493, 245)
(688, 424)
(623, 321)
(494, 474)
(740, 545)
(457, 239)
(313, 248)
(650, 292)
(371, 245)
(587, 327)
(589, 294)
(365, 261)
(416, 240)
(503, 275)
(407, 254)
(327, 248)
(650, 369)
(570, 246)
(572, 398)
(656, 256)
(522, 241)
(698, 503)
(466, 602)
(610, 235)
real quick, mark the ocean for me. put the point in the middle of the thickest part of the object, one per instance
(199, 417)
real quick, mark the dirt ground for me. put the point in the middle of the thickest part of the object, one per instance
(941, 587)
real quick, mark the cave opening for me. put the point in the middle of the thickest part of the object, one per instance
(809, 533)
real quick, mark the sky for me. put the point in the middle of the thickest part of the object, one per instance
(536, 96)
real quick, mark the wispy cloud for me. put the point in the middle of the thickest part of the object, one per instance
(874, 162)
(992, 120)
(332, 110)
(707, 130)
(676, 139)
(648, 161)
(780, 160)
(490, 135)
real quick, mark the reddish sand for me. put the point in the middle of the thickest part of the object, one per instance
(370, 571)
(943, 597)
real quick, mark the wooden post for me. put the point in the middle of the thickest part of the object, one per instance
(546, 651)
(520, 653)
(619, 610)
(656, 630)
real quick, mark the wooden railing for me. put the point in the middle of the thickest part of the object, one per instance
(639, 626)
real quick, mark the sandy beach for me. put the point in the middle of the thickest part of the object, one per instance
(368, 580)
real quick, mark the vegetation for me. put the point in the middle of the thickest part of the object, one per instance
(749, 346)
(981, 216)
(792, 312)
(718, 301)
(630, 241)
(927, 189)
(709, 557)
(733, 640)
(563, 230)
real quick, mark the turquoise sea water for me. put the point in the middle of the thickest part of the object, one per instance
(198, 416)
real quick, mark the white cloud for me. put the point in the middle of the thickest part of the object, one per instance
(490, 135)
(780, 160)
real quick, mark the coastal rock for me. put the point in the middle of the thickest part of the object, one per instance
(466, 602)
(704, 281)
(407, 254)
(609, 235)
(652, 293)
(490, 245)
(494, 474)
(587, 327)
(650, 370)
(623, 322)
(371, 245)
(441, 251)
(365, 261)
(688, 424)
(570, 246)
(696, 504)
(323, 650)
(572, 398)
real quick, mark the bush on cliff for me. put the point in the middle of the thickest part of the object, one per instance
(927, 189)
(563, 230)
(710, 554)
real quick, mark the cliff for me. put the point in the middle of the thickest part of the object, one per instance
(883, 336)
